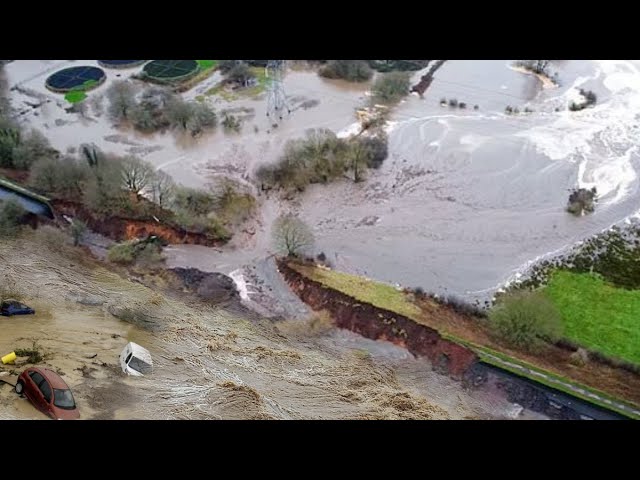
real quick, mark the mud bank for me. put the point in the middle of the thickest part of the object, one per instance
(378, 324)
(120, 229)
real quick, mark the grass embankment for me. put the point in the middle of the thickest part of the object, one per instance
(223, 90)
(380, 295)
(390, 298)
(596, 314)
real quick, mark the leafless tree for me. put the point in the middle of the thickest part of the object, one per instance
(136, 174)
(291, 235)
(162, 188)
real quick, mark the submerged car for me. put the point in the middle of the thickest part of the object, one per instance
(48, 393)
(13, 307)
(136, 360)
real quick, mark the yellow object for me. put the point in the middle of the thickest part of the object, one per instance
(9, 358)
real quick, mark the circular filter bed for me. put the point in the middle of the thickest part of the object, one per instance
(170, 70)
(120, 63)
(75, 78)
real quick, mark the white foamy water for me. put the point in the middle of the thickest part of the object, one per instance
(601, 139)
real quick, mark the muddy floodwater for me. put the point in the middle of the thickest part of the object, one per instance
(210, 362)
(466, 199)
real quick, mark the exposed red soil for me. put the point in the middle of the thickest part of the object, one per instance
(119, 229)
(363, 319)
(379, 324)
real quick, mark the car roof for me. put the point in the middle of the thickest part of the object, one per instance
(140, 352)
(53, 378)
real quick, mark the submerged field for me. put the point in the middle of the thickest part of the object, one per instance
(598, 315)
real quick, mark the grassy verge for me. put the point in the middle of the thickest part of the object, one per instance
(378, 294)
(597, 315)
(485, 352)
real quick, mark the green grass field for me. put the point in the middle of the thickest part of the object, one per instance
(597, 315)
(206, 64)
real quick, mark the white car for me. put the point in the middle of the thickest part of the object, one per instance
(136, 360)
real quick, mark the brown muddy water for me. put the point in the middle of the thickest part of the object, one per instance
(209, 362)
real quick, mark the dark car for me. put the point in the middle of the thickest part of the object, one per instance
(48, 393)
(13, 307)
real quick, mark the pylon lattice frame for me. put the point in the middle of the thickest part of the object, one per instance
(276, 97)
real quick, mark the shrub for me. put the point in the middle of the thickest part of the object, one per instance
(582, 200)
(476, 107)
(11, 215)
(443, 101)
(464, 308)
(525, 320)
(59, 177)
(193, 201)
(78, 229)
(231, 123)
(377, 149)
(351, 70)
(233, 204)
(453, 102)
(462, 105)
(508, 109)
(390, 88)
(240, 73)
(123, 253)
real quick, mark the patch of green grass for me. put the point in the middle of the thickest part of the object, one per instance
(207, 64)
(75, 96)
(378, 294)
(596, 314)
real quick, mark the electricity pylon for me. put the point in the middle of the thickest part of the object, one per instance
(276, 98)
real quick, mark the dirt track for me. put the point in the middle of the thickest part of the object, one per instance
(210, 362)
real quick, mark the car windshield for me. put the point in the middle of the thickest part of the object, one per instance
(63, 399)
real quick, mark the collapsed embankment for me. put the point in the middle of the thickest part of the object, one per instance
(372, 322)
(119, 229)
(447, 357)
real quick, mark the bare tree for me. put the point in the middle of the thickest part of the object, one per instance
(136, 174)
(291, 235)
(162, 188)
(121, 95)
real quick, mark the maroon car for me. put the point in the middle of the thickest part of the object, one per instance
(48, 393)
